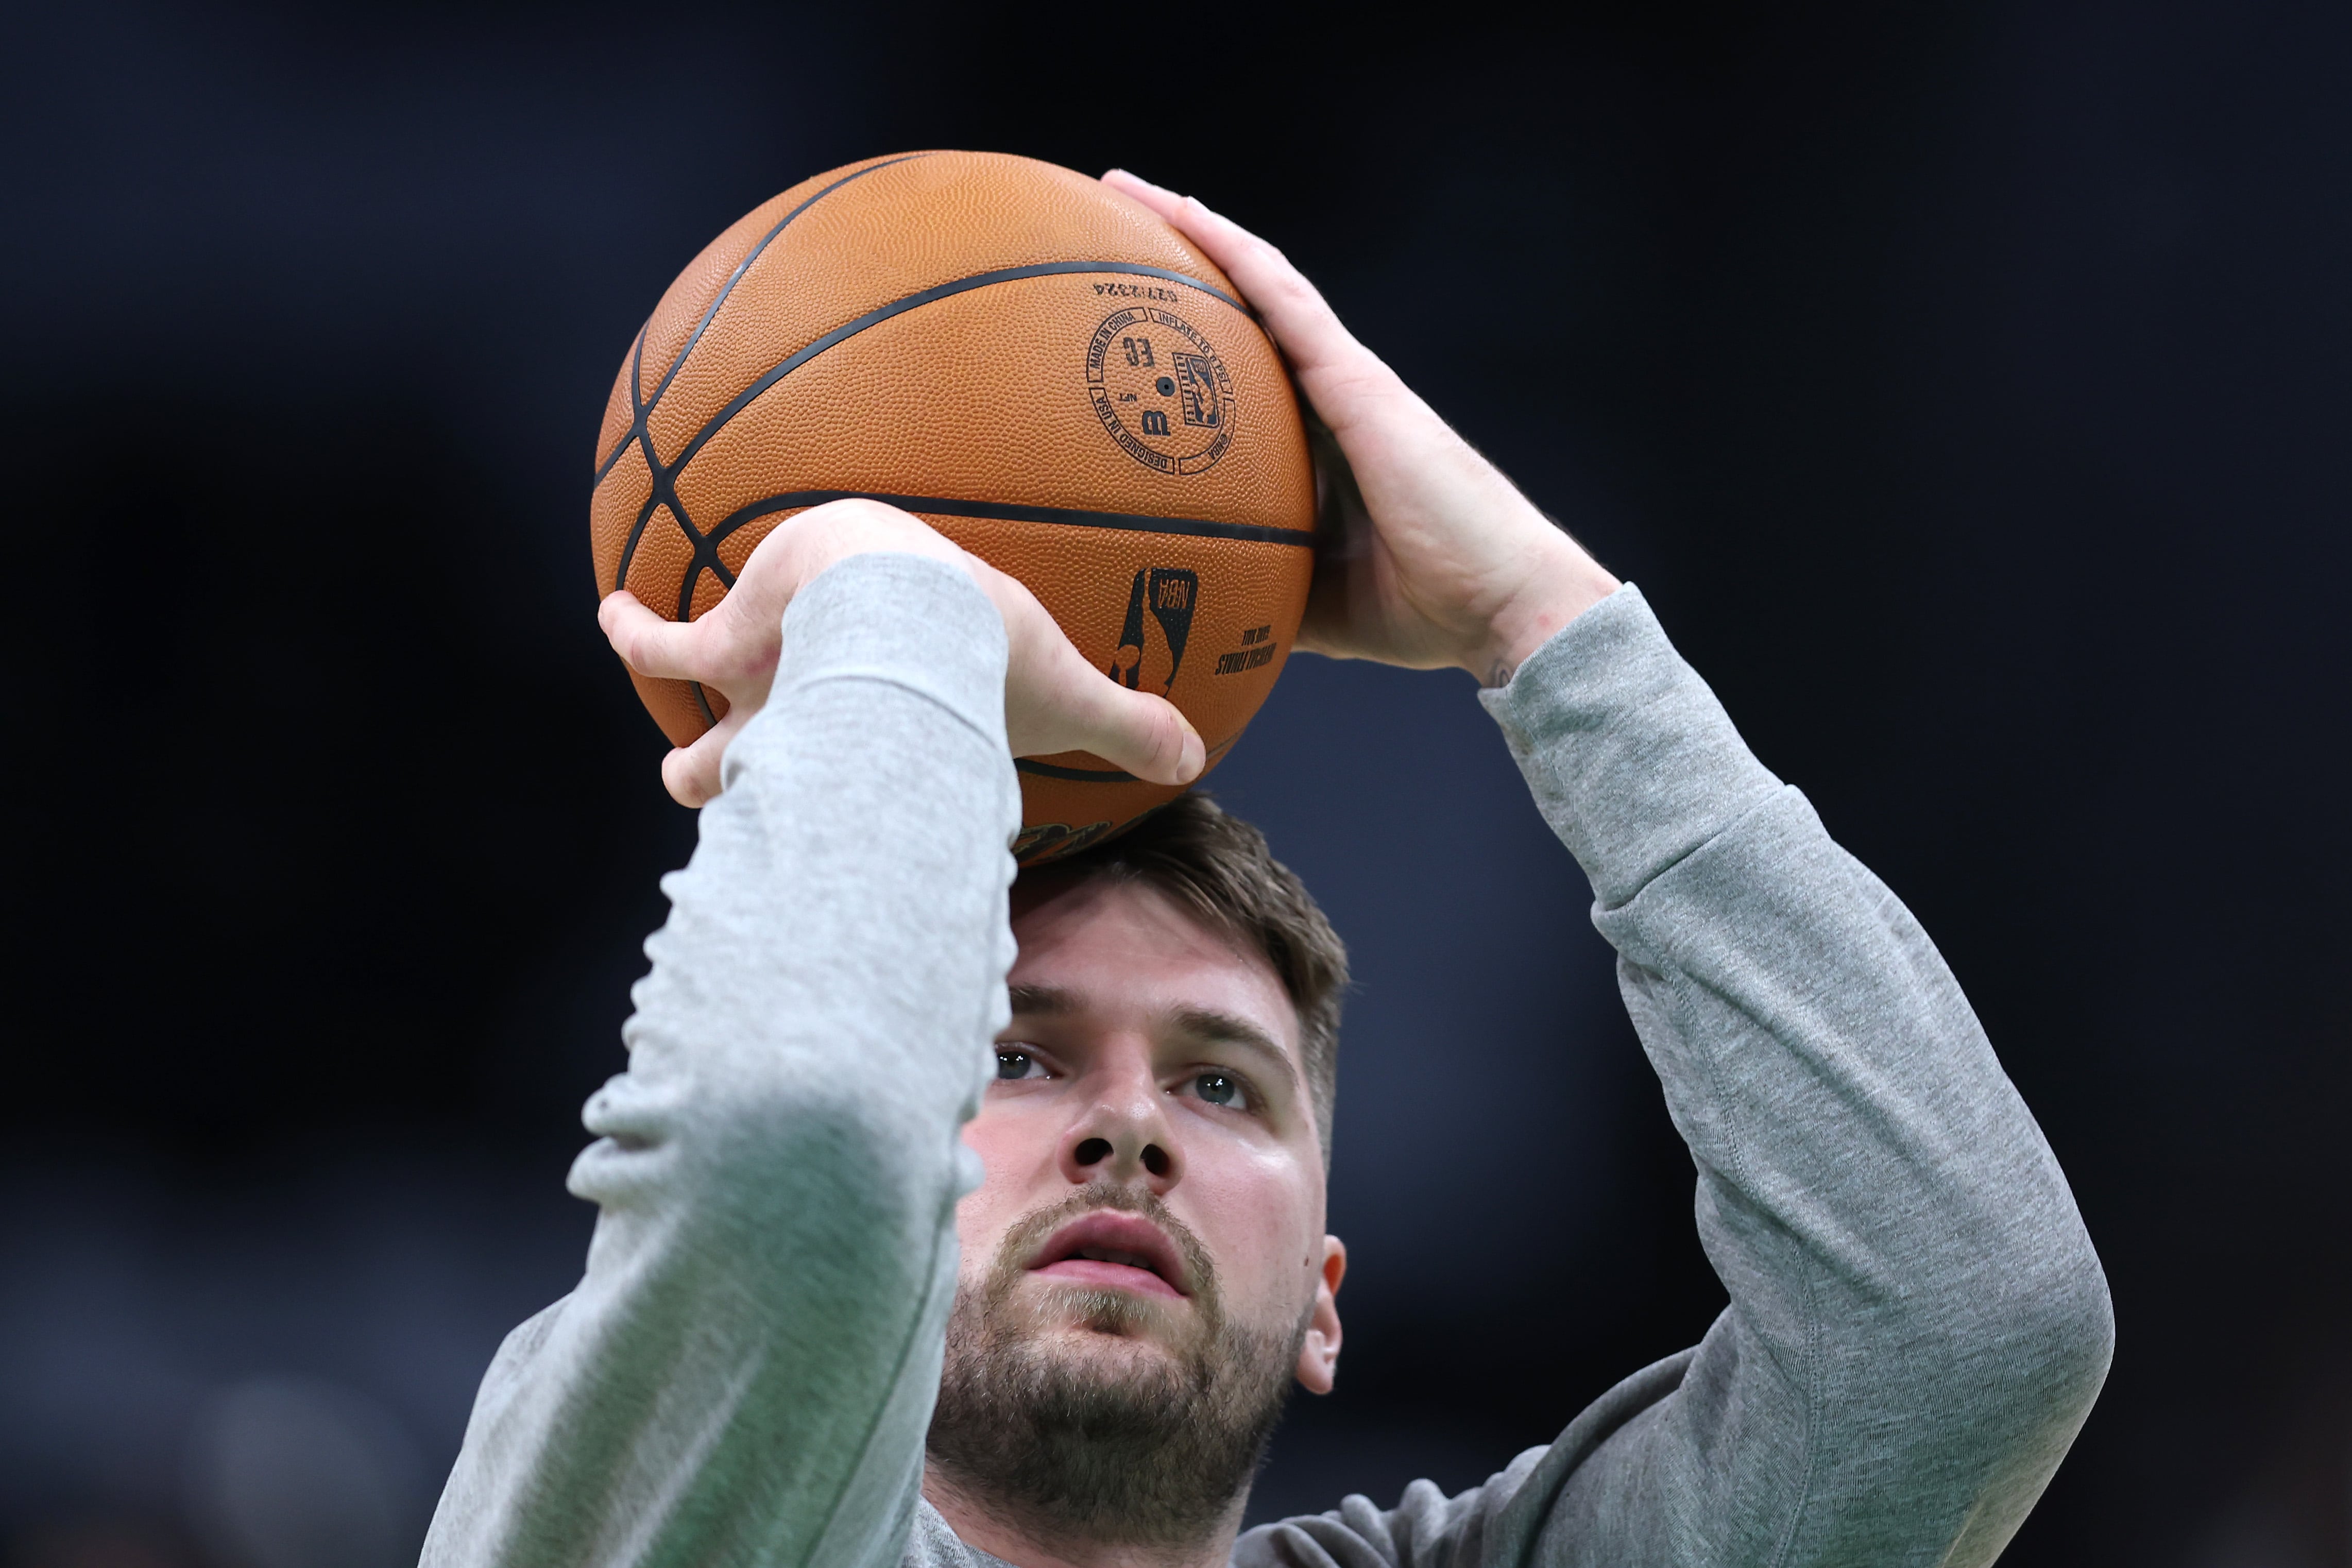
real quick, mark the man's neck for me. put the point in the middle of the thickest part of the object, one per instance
(976, 1526)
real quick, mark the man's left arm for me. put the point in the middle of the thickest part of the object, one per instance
(1918, 1323)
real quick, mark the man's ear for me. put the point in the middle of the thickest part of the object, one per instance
(1318, 1358)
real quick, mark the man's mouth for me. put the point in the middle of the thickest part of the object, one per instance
(1112, 1250)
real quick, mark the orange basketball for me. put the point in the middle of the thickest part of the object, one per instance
(1039, 368)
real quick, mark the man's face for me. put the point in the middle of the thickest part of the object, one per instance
(1150, 1055)
(1148, 1244)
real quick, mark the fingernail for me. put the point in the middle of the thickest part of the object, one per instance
(1194, 757)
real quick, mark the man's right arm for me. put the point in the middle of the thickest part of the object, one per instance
(746, 1370)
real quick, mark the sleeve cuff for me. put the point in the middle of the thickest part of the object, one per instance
(1632, 760)
(914, 622)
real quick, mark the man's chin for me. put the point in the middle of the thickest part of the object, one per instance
(1090, 1321)
(1087, 1410)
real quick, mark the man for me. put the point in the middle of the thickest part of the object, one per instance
(863, 1292)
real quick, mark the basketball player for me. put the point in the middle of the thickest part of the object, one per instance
(889, 1269)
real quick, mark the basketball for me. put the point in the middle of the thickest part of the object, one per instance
(1038, 367)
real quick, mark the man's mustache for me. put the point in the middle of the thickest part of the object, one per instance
(1031, 1231)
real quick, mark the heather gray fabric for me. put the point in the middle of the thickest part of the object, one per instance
(745, 1371)
(1918, 1322)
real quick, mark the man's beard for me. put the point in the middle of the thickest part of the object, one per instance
(1151, 1445)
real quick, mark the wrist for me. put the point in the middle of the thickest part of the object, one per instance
(1564, 584)
(859, 527)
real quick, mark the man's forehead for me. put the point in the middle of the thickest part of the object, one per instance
(1106, 913)
(1102, 945)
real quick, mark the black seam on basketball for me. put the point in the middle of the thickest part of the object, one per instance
(1111, 776)
(1007, 512)
(850, 329)
(703, 702)
(637, 431)
(664, 492)
(629, 550)
(637, 378)
(705, 558)
(636, 369)
(745, 266)
(1076, 776)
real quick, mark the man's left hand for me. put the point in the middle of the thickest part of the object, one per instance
(1448, 563)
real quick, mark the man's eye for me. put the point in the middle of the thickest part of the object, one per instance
(1218, 1088)
(1012, 1065)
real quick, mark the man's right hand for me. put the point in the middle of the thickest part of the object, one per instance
(1055, 700)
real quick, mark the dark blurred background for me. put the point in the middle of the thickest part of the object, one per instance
(1967, 386)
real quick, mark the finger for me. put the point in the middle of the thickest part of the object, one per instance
(1158, 198)
(1301, 322)
(662, 649)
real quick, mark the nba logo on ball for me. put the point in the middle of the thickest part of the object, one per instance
(1171, 594)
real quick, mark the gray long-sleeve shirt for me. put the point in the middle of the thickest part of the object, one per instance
(1917, 1324)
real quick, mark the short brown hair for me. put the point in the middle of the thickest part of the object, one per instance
(1217, 868)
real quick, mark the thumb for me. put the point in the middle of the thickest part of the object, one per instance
(1077, 708)
(1149, 736)
(691, 772)
(1056, 700)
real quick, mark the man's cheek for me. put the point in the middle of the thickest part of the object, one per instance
(980, 1222)
(1008, 1138)
(985, 1136)
(986, 1215)
(1260, 1244)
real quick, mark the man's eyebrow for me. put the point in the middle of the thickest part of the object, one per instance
(1200, 1022)
(1226, 1029)
(1042, 1001)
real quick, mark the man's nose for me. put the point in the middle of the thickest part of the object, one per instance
(1123, 1135)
